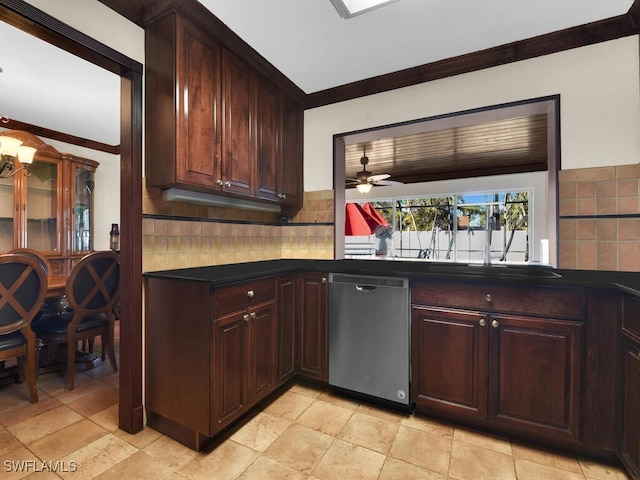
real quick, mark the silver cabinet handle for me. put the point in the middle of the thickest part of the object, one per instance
(324, 280)
(227, 184)
(488, 297)
(253, 315)
(250, 294)
(245, 317)
(219, 182)
(483, 322)
(495, 324)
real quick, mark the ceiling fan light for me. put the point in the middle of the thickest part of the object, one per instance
(364, 187)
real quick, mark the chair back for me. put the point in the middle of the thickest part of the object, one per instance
(94, 284)
(23, 287)
(35, 255)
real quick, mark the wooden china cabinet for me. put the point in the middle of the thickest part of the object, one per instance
(51, 209)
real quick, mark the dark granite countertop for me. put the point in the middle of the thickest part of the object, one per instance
(512, 274)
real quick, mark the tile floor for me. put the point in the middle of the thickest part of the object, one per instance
(306, 433)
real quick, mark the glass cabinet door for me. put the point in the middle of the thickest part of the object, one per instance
(7, 214)
(42, 207)
(83, 209)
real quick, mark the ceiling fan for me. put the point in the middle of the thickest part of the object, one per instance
(365, 179)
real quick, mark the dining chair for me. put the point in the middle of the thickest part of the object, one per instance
(23, 287)
(35, 254)
(92, 290)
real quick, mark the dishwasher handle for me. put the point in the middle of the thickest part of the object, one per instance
(365, 288)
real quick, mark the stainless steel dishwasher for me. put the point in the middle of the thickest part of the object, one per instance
(369, 339)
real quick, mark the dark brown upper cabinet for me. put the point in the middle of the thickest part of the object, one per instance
(215, 124)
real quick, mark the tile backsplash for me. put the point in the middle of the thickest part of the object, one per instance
(600, 218)
(179, 235)
(599, 227)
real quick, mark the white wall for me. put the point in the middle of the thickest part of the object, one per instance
(99, 22)
(599, 106)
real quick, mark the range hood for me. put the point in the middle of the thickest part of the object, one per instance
(178, 194)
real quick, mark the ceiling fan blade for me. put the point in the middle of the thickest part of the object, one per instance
(377, 178)
(388, 182)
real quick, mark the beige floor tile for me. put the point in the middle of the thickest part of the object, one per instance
(267, 468)
(309, 391)
(96, 401)
(345, 460)
(484, 440)
(429, 425)
(325, 417)
(43, 475)
(369, 432)
(527, 470)
(98, 457)
(225, 462)
(394, 469)
(139, 466)
(602, 471)
(171, 453)
(300, 447)
(141, 439)
(20, 411)
(42, 425)
(261, 431)
(107, 418)
(289, 405)
(381, 413)
(546, 457)
(8, 442)
(469, 462)
(66, 440)
(335, 399)
(14, 464)
(423, 449)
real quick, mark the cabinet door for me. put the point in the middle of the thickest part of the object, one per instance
(290, 171)
(229, 364)
(312, 312)
(630, 411)
(9, 210)
(42, 228)
(534, 374)
(268, 126)
(449, 358)
(261, 351)
(198, 125)
(81, 231)
(286, 328)
(238, 164)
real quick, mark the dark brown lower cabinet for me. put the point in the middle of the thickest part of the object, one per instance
(630, 441)
(630, 451)
(313, 349)
(517, 371)
(210, 354)
(244, 348)
(286, 303)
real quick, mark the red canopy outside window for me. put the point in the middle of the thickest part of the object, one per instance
(362, 219)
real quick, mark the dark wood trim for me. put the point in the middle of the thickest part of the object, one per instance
(24, 16)
(13, 124)
(601, 31)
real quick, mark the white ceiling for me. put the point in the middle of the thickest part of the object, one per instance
(310, 43)
(306, 40)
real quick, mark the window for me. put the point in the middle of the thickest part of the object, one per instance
(457, 228)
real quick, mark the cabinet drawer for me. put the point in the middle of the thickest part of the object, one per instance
(631, 316)
(241, 296)
(556, 302)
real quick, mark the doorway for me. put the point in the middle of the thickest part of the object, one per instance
(35, 22)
